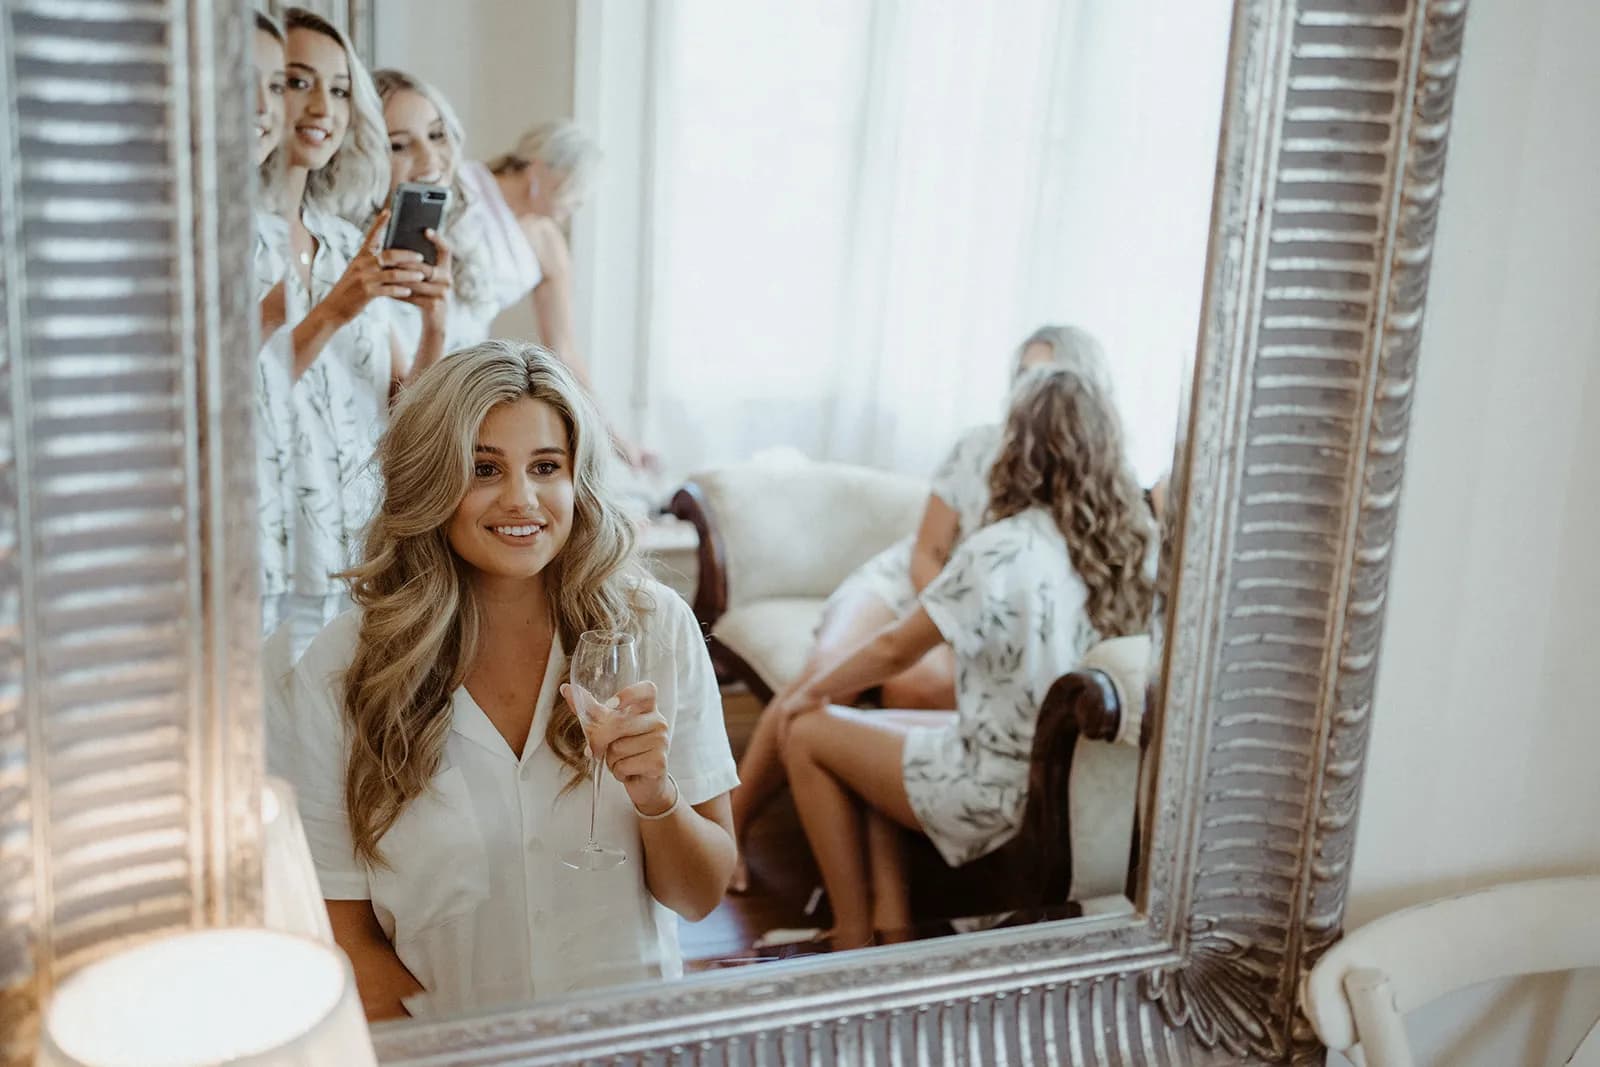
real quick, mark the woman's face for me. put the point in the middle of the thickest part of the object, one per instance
(517, 514)
(1036, 354)
(317, 105)
(419, 146)
(268, 60)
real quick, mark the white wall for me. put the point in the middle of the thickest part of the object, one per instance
(1485, 758)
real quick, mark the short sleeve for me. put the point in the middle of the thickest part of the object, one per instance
(982, 598)
(699, 756)
(962, 480)
(317, 766)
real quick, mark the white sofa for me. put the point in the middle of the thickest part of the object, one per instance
(777, 536)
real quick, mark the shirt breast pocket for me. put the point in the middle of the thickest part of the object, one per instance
(438, 867)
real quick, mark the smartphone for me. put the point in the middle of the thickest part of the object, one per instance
(416, 209)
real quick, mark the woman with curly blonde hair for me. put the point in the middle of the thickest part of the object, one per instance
(431, 740)
(1061, 564)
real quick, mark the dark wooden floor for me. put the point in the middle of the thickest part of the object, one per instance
(783, 875)
(784, 879)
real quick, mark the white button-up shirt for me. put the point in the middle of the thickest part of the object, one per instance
(475, 899)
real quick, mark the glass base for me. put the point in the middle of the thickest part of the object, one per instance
(594, 858)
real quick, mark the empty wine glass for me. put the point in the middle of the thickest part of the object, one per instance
(603, 665)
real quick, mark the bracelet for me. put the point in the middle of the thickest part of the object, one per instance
(677, 795)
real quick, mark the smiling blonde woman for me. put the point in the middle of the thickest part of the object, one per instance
(434, 748)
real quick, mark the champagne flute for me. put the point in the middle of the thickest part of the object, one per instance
(603, 664)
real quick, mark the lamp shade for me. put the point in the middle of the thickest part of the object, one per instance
(291, 898)
(207, 998)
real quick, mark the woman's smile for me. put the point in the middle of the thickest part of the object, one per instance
(522, 535)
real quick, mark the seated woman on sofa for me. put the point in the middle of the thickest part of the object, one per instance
(1062, 564)
(885, 588)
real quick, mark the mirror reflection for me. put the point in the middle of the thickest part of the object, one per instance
(720, 528)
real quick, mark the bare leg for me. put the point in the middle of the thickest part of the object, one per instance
(844, 628)
(891, 891)
(842, 763)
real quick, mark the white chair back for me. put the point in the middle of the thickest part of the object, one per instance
(1362, 988)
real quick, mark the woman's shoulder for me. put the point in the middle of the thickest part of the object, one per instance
(983, 436)
(663, 615)
(1033, 528)
(332, 650)
(546, 239)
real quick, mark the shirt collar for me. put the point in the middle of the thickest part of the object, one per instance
(469, 720)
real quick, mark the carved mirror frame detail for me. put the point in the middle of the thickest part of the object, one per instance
(1329, 171)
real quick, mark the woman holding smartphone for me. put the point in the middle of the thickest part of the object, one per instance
(345, 358)
(504, 254)
(425, 139)
(438, 759)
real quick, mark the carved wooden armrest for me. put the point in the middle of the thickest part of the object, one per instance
(689, 503)
(1078, 704)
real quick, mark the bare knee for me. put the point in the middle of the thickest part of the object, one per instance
(797, 750)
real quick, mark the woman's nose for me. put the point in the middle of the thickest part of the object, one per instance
(317, 101)
(519, 492)
(429, 162)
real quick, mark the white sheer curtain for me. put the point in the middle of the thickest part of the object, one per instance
(859, 209)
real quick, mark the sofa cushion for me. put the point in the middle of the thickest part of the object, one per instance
(794, 528)
(772, 636)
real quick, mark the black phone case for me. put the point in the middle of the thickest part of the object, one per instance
(416, 211)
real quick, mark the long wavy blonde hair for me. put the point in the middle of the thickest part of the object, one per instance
(420, 620)
(1062, 450)
(356, 179)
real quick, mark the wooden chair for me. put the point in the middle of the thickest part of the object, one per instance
(1359, 992)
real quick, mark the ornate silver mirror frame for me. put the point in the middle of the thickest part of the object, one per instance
(129, 721)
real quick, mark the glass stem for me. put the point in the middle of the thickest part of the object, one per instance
(594, 802)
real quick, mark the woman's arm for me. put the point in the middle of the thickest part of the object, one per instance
(552, 297)
(895, 648)
(381, 979)
(936, 539)
(689, 856)
(373, 272)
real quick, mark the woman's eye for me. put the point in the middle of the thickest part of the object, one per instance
(276, 88)
(436, 136)
(342, 94)
(396, 147)
(485, 470)
(547, 468)
(298, 84)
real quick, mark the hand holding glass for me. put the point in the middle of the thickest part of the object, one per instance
(603, 664)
